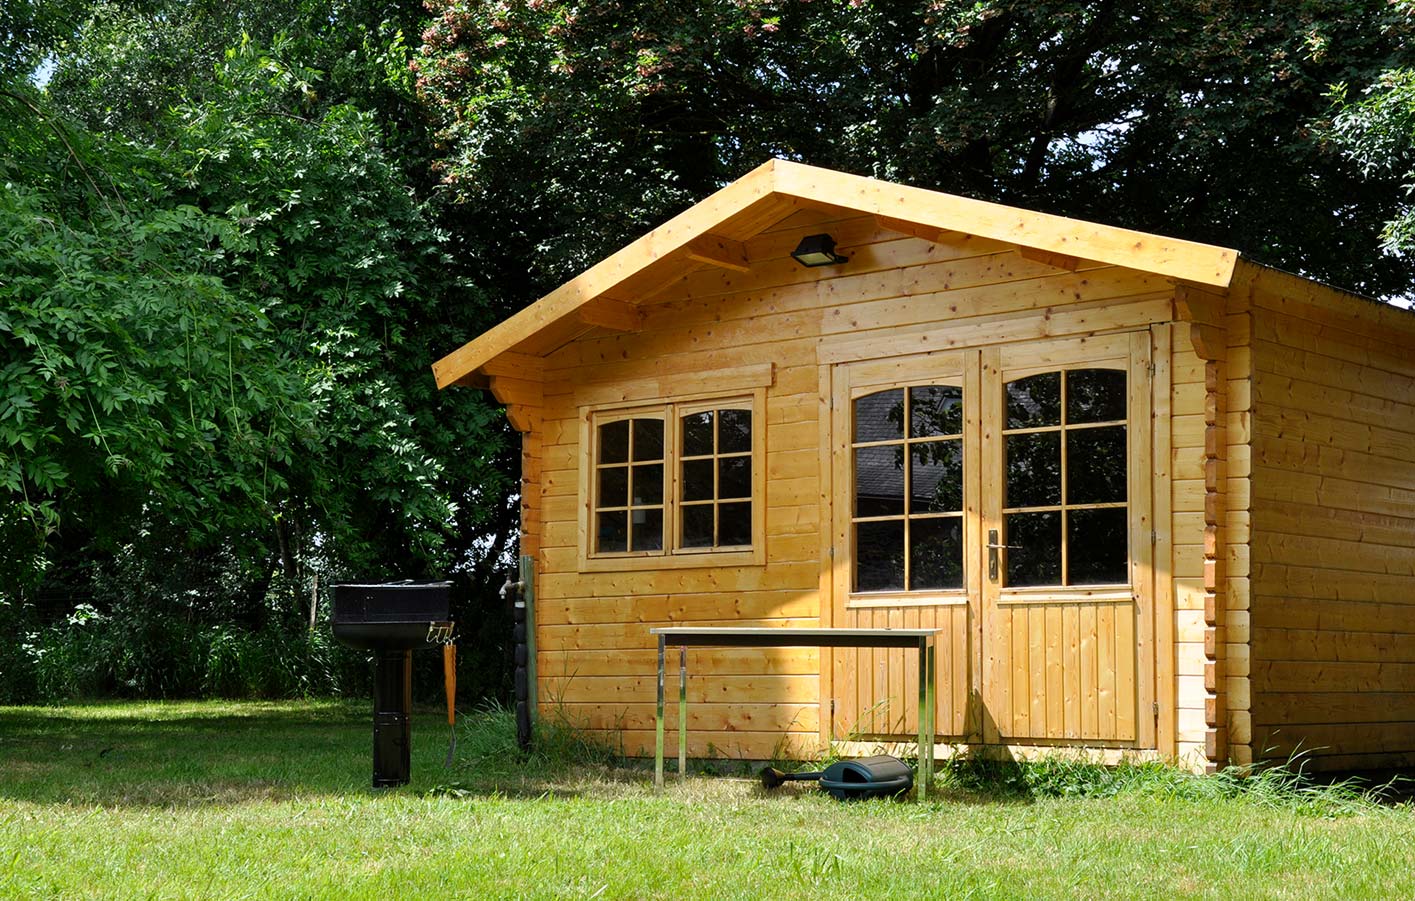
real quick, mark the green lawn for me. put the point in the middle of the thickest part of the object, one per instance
(251, 800)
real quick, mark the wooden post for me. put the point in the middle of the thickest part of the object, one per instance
(1206, 314)
(528, 596)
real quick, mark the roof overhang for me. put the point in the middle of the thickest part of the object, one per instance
(712, 231)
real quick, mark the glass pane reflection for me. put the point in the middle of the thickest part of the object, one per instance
(879, 480)
(1034, 401)
(880, 416)
(734, 431)
(936, 553)
(879, 556)
(935, 410)
(734, 524)
(936, 480)
(697, 434)
(1095, 465)
(1097, 546)
(1095, 395)
(1033, 469)
(1034, 548)
(697, 525)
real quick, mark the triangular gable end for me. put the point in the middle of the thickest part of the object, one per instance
(713, 230)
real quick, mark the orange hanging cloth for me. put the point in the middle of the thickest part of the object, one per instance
(449, 681)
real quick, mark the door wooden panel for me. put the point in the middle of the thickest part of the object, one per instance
(1067, 671)
(875, 690)
(1029, 655)
(1067, 659)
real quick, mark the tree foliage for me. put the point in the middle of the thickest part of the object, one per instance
(219, 304)
(1192, 119)
(1377, 131)
(234, 234)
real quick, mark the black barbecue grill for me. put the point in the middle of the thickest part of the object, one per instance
(393, 620)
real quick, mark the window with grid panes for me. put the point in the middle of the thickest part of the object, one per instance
(674, 479)
(715, 482)
(1065, 506)
(907, 445)
(629, 485)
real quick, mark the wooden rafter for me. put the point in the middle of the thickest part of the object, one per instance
(1049, 258)
(917, 229)
(719, 251)
(616, 315)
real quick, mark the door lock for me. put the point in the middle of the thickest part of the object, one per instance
(993, 547)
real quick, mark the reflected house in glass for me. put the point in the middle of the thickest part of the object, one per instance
(1156, 497)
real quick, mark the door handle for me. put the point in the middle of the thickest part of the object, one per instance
(993, 547)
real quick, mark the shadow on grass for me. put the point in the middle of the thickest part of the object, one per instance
(214, 753)
(190, 753)
(185, 754)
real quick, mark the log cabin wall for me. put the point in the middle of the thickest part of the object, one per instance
(1333, 612)
(1187, 467)
(898, 294)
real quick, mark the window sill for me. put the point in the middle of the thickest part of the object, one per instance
(703, 560)
(872, 600)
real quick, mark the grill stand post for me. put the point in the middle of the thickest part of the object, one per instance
(392, 723)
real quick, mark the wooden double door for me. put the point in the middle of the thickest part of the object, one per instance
(1004, 496)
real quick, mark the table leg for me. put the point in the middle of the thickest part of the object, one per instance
(925, 747)
(931, 706)
(658, 722)
(683, 712)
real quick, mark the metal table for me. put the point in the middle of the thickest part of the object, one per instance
(756, 637)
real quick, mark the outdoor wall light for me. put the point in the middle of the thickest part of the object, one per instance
(817, 250)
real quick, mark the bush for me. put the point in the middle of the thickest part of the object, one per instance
(134, 656)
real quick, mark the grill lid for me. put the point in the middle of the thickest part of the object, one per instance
(392, 602)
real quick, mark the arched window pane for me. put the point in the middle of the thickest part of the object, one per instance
(734, 431)
(1095, 395)
(1034, 402)
(697, 434)
(880, 416)
(614, 442)
(935, 410)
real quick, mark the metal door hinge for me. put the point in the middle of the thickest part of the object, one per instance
(1155, 708)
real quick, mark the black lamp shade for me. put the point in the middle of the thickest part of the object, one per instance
(817, 250)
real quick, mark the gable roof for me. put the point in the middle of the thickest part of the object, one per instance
(713, 230)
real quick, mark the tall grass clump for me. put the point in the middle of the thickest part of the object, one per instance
(1286, 785)
(486, 741)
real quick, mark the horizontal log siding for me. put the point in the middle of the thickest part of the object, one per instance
(1333, 618)
(596, 661)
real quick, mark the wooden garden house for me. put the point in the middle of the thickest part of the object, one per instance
(1160, 499)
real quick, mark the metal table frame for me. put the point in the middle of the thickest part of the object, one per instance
(924, 640)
